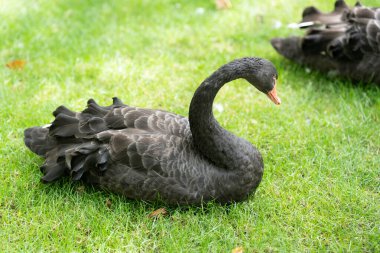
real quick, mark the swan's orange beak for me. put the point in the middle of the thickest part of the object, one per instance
(273, 95)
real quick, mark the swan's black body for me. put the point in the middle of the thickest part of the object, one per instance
(345, 41)
(149, 154)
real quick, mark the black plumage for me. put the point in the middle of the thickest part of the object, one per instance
(345, 41)
(153, 154)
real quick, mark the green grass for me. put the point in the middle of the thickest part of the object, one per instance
(321, 147)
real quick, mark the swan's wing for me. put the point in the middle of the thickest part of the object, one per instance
(361, 35)
(77, 142)
(144, 164)
(139, 149)
(155, 121)
(135, 163)
(312, 16)
(97, 118)
(364, 32)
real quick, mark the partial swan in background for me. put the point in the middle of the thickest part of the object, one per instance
(345, 41)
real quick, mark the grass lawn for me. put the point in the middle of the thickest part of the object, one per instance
(321, 147)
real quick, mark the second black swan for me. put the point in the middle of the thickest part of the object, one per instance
(153, 154)
(345, 41)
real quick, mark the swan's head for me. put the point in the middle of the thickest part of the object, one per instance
(290, 47)
(264, 77)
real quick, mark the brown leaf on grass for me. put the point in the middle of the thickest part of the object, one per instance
(223, 4)
(158, 213)
(238, 250)
(108, 203)
(80, 189)
(16, 64)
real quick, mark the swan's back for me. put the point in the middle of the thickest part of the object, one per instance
(345, 41)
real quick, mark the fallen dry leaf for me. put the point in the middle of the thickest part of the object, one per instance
(223, 4)
(238, 250)
(108, 203)
(158, 213)
(16, 64)
(80, 189)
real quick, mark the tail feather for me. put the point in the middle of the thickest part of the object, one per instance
(85, 124)
(64, 125)
(63, 110)
(53, 171)
(74, 160)
(92, 125)
(94, 109)
(69, 145)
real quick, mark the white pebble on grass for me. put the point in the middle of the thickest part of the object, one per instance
(218, 107)
(199, 11)
(277, 24)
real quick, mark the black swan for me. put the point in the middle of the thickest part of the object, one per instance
(345, 41)
(153, 154)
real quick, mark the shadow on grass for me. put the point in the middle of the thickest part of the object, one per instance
(67, 190)
(321, 80)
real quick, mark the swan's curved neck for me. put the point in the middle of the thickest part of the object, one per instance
(217, 144)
